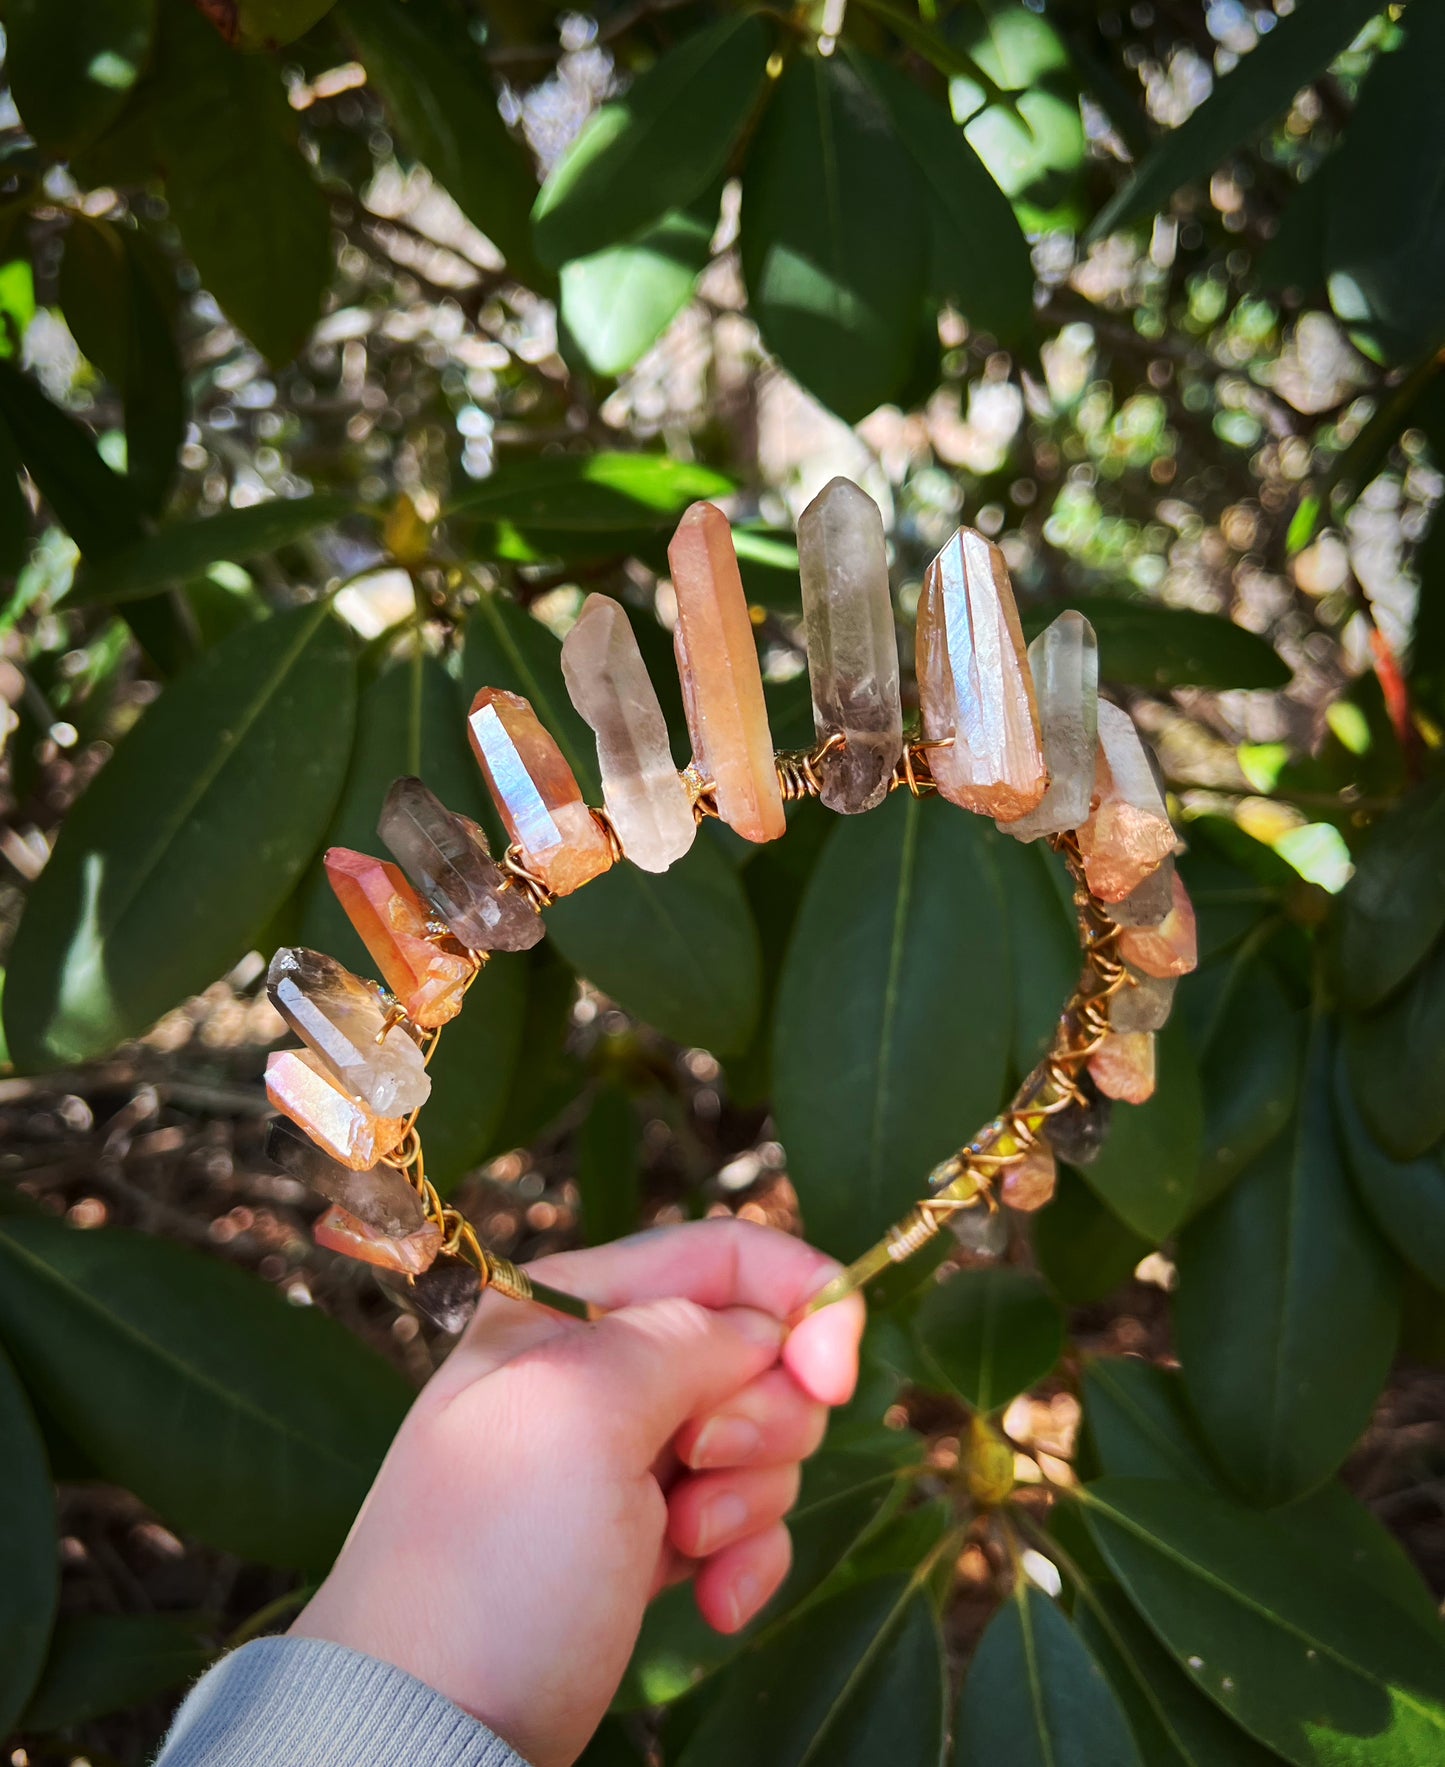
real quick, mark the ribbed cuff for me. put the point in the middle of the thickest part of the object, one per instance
(301, 1702)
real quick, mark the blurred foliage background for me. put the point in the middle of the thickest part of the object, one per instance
(343, 349)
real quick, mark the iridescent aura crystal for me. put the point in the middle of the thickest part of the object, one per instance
(410, 1255)
(1123, 1067)
(1172, 947)
(344, 1021)
(299, 1084)
(609, 685)
(717, 659)
(381, 1197)
(536, 792)
(1129, 832)
(852, 647)
(1143, 1003)
(447, 858)
(974, 684)
(1030, 1182)
(1064, 661)
(428, 979)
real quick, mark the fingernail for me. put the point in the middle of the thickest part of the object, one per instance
(726, 1441)
(743, 1598)
(760, 1328)
(721, 1518)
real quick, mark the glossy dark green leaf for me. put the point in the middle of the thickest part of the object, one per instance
(474, 1073)
(1288, 1307)
(617, 302)
(14, 510)
(604, 493)
(1146, 1170)
(1393, 909)
(1083, 1249)
(251, 1423)
(1043, 943)
(101, 1663)
(185, 549)
(852, 1680)
(1034, 1697)
(1404, 1198)
(1316, 1666)
(435, 83)
(834, 237)
(608, 1175)
(1249, 1071)
(29, 1550)
(545, 1085)
(1396, 1059)
(1143, 644)
(680, 949)
(226, 141)
(1259, 88)
(187, 842)
(979, 257)
(882, 1064)
(1384, 248)
(842, 1497)
(990, 1334)
(71, 68)
(271, 24)
(656, 148)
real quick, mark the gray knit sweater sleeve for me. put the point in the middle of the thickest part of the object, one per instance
(299, 1702)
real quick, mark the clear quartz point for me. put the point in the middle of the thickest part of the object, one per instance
(449, 863)
(852, 646)
(1129, 833)
(343, 1021)
(409, 1254)
(1064, 659)
(608, 683)
(381, 1198)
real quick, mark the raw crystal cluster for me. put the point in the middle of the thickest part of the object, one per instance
(536, 792)
(428, 979)
(344, 1022)
(641, 788)
(852, 649)
(447, 858)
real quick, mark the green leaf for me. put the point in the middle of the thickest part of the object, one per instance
(1258, 89)
(430, 74)
(14, 515)
(1042, 941)
(1083, 1249)
(474, 1072)
(680, 950)
(95, 506)
(608, 1175)
(1146, 1169)
(979, 257)
(1142, 644)
(549, 1080)
(656, 148)
(1393, 909)
(834, 238)
(253, 1424)
(1318, 1667)
(1396, 1060)
(101, 1663)
(187, 843)
(881, 1067)
(226, 140)
(71, 67)
(842, 1496)
(617, 302)
(270, 24)
(184, 550)
(1034, 1696)
(604, 493)
(1288, 1308)
(1249, 1072)
(990, 1334)
(1384, 248)
(852, 1680)
(1404, 1198)
(29, 1550)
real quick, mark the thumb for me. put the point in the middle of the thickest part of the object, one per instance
(651, 1367)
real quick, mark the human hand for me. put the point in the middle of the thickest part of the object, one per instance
(553, 1477)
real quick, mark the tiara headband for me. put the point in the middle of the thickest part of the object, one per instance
(1018, 735)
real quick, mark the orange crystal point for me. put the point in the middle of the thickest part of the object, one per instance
(1172, 947)
(391, 922)
(1031, 1182)
(1129, 834)
(298, 1084)
(722, 684)
(975, 685)
(536, 792)
(409, 1254)
(1123, 1066)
